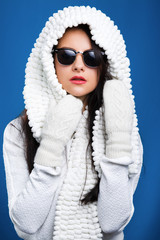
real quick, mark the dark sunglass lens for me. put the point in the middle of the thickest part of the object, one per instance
(66, 56)
(91, 59)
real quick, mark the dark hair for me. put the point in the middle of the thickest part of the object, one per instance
(94, 102)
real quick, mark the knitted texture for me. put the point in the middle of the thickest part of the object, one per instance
(41, 82)
(118, 119)
(73, 221)
(38, 189)
(98, 139)
(42, 86)
(60, 124)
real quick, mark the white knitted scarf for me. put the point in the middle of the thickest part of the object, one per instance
(41, 85)
(73, 221)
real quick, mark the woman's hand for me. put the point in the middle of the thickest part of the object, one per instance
(118, 111)
(62, 119)
(61, 122)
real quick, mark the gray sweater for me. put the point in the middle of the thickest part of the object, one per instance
(32, 197)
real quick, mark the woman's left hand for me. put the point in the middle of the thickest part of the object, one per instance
(118, 111)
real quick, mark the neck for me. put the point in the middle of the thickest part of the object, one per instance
(83, 108)
(84, 100)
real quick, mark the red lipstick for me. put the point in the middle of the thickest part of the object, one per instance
(78, 80)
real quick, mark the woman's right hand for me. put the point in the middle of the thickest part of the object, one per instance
(62, 119)
(61, 122)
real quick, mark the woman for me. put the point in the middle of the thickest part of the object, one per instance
(74, 157)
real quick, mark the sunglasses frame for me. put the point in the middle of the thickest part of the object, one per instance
(76, 52)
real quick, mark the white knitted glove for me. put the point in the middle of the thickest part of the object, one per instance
(118, 110)
(60, 124)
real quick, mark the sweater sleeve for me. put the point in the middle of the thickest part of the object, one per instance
(115, 199)
(29, 195)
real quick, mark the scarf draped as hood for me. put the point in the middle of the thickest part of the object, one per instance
(41, 82)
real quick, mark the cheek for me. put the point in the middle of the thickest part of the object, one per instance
(55, 64)
(59, 71)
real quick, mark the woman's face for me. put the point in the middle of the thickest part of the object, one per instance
(78, 40)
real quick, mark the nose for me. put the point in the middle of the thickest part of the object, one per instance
(78, 64)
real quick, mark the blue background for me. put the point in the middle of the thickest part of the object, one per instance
(139, 21)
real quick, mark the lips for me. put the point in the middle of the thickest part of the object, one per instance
(78, 80)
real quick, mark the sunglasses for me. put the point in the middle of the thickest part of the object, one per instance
(67, 56)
